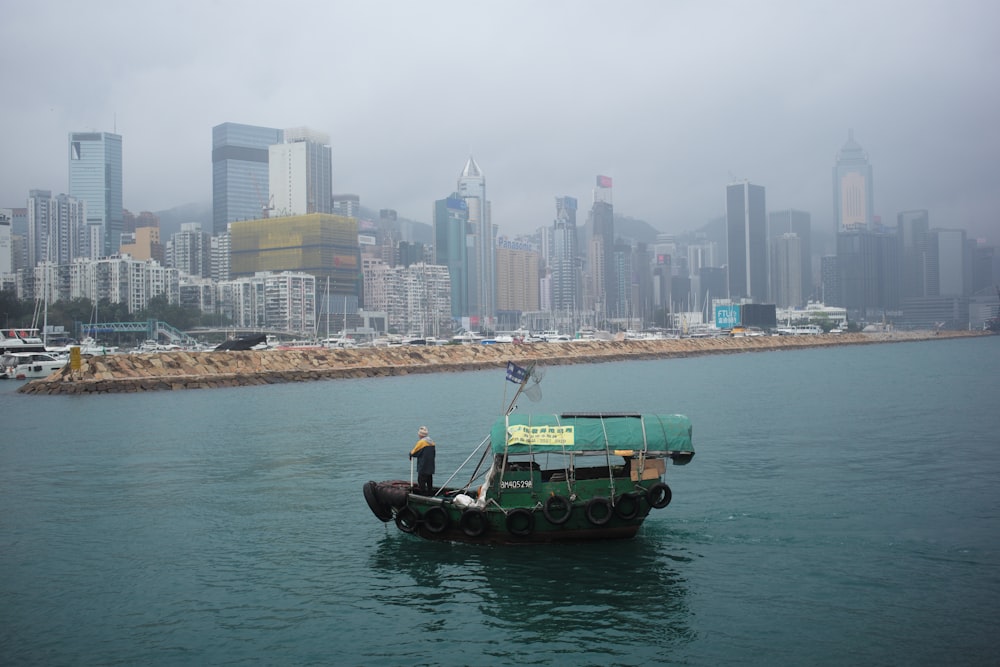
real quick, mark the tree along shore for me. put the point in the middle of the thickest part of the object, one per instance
(200, 370)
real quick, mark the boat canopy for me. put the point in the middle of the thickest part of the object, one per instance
(622, 434)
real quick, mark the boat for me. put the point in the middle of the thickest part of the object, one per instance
(547, 478)
(20, 339)
(88, 347)
(29, 365)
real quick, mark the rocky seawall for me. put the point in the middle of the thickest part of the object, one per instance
(201, 370)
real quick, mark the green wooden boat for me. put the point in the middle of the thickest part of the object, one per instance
(548, 478)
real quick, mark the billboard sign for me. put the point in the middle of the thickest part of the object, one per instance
(727, 317)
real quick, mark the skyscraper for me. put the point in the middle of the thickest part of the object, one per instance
(912, 228)
(6, 239)
(239, 172)
(853, 193)
(565, 284)
(451, 221)
(798, 223)
(300, 173)
(786, 270)
(746, 236)
(482, 293)
(95, 178)
(602, 220)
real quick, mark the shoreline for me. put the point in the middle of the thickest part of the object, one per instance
(124, 373)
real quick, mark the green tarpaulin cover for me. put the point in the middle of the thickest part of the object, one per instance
(526, 433)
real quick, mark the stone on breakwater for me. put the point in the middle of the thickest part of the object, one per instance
(192, 370)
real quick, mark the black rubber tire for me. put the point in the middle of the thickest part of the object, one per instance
(627, 506)
(473, 522)
(379, 509)
(393, 494)
(551, 511)
(659, 495)
(597, 518)
(436, 520)
(520, 522)
(407, 519)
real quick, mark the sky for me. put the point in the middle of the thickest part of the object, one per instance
(672, 99)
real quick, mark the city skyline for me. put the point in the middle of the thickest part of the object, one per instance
(633, 93)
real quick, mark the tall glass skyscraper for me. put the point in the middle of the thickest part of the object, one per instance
(853, 195)
(602, 221)
(566, 297)
(746, 235)
(239, 172)
(451, 220)
(482, 294)
(95, 177)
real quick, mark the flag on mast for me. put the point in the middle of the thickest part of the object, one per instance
(604, 181)
(515, 373)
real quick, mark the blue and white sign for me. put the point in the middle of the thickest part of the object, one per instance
(727, 317)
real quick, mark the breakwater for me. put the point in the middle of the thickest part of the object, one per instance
(202, 370)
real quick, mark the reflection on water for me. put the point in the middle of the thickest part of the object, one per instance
(606, 599)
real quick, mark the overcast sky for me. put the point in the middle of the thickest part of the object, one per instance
(673, 100)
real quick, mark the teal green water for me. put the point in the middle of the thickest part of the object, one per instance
(842, 509)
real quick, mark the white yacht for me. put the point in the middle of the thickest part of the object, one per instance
(28, 365)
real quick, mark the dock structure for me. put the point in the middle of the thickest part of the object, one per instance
(201, 370)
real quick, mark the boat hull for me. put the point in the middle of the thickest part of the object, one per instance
(442, 518)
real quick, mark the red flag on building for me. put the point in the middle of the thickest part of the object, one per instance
(604, 181)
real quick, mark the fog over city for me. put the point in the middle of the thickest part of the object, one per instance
(673, 100)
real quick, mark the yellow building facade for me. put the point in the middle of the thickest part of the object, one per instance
(319, 244)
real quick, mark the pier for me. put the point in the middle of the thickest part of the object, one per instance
(202, 370)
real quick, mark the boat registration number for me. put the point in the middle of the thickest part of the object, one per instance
(516, 484)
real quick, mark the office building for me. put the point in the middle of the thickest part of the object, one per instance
(563, 264)
(6, 241)
(868, 269)
(451, 249)
(853, 190)
(602, 229)
(913, 230)
(301, 173)
(240, 172)
(786, 271)
(799, 223)
(482, 262)
(320, 244)
(746, 237)
(95, 178)
(347, 205)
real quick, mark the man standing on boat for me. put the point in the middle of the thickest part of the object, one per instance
(424, 453)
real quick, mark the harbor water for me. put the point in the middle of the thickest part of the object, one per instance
(842, 509)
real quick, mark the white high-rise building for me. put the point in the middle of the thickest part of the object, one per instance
(482, 262)
(300, 173)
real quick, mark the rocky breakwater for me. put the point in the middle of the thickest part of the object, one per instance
(200, 370)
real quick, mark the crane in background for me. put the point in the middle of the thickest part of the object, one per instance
(265, 206)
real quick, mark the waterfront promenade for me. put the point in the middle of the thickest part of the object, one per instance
(202, 370)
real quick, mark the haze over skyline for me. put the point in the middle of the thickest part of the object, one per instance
(672, 100)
